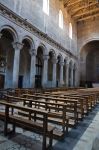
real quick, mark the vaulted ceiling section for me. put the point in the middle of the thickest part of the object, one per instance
(82, 9)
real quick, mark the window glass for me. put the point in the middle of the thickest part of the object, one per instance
(60, 19)
(46, 6)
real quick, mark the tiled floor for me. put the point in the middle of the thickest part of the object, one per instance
(77, 139)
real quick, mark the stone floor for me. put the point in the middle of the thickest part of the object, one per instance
(77, 139)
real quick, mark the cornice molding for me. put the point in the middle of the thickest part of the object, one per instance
(13, 17)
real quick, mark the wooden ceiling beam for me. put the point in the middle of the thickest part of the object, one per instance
(66, 2)
(75, 11)
(74, 3)
(80, 9)
(88, 12)
(89, 17)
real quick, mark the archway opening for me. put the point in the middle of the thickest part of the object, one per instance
(6, 59)
(39, 67)
(90, 64)
(50, 68)
(24, 68)
(74, 75)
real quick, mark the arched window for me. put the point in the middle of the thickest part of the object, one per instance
(46, 6)
(70, 30)
(60, 19)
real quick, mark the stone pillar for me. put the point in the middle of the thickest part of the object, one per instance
(17, 47)
(67, 75)
(33, 68)
(54, 71)
(76, 77)
(61, 73)
(72, 77)
(45, 71)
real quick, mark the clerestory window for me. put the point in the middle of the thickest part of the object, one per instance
(46, 6)
(60, 19)
(70, 30)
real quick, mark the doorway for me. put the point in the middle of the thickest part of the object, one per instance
(2, 79)
(20, 82)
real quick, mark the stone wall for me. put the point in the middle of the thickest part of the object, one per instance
(39, 30)
(31, 10)
(87, 32)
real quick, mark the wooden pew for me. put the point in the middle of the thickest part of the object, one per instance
(89, 100)
(57, 112)
(71, 106)
(84, 102)
(37, 127)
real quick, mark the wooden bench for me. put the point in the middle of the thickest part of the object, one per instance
(57, 112)
(89, 100)
(37, 127)
(84, 102)
(71, 107)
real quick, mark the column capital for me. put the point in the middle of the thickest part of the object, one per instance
(54, 61)
(45, 57)
(61, 63)
(32, 52)
(67, 63)
(17, 45)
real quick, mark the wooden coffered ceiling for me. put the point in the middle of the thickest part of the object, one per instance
(82, 9)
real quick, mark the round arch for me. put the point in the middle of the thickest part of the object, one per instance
(60, 57)
(41, 51)
(30, 41)
(88, 41)
(9, 36)
(12, 31)
(52, 52)
(44, 48)
(89, 56)
(25, 64)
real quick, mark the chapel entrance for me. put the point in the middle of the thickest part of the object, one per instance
(90, 64)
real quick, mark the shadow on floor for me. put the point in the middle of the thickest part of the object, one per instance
(75, 134)
(30, 141)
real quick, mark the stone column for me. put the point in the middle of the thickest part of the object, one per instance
(61, 73)
(54, 71)
(33, 68)
(45, 71)
(17, 47)
(76, 78)
(72, 77)
(67, 75)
